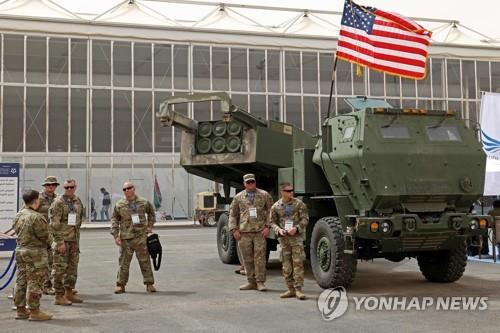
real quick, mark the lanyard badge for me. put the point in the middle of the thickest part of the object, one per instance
(72, 219)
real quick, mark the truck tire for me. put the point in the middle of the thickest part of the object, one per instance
(330, 265)
(226, 244)
(443, 266)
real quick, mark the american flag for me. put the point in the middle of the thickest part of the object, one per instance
(383, 41)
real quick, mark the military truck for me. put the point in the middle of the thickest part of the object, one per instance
(379, 182)
(207, 207)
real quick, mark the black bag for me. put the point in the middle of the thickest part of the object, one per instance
(155, 250)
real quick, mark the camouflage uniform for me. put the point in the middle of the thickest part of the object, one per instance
(65, 266)
(252, 244)
(31, 257)
(133, 237)
(45, 202)
(292, 247)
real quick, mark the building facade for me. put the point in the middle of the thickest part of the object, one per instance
(82, 104)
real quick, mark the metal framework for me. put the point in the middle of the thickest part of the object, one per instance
(272, 20)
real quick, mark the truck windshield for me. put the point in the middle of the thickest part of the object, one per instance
(395, 132)
(443, 133)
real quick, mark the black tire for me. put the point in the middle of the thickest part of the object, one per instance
(330, 265)
(443, 266)
(226, 244)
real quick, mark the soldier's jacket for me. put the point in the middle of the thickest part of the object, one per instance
(296, 211)
(45, 203)
(121, 220)
(239, 211)
(31, 229)
(58, 215)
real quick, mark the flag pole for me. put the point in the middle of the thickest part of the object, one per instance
(331, 87)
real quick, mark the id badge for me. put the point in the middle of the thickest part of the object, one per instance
(288, 224)
(72, 219)
(253, 212)
(135, 219)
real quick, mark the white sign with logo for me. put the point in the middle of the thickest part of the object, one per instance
(490, 136)
(9, 194)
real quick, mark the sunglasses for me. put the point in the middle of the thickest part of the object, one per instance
(250, 182)
(69, 187)
(288, 191)
(51, 185)
(127, 188)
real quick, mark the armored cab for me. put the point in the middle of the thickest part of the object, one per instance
(402, 182)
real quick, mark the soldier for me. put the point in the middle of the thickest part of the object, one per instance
(46, 199)
(132, 219)
(289, 219)
(249, 224)
(31, 258)
(66, 214)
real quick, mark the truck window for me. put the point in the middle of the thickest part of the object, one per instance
(395, 132)
(348, 132)
(443, 133)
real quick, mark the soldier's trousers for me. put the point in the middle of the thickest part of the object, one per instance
(139, 246)
(31, 271)
(48, 277)
(292, 260)
(253, 251)
(65, 267)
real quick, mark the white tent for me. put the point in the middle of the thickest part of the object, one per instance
(181, 20)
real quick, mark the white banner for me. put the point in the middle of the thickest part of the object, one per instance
(490, 136)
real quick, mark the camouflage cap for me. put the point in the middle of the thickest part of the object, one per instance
(50, 180)
(248, 176)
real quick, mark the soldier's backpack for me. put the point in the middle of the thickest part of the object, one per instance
(155, 250)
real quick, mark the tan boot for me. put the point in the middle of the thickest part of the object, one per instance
(38, 315)
(120, 289)
(150, 288)
(300, 294)
(261, 286)
(248, 286)
(72, 297)
(61, 300)
(49, 291)
(289, 293)
(22, 313)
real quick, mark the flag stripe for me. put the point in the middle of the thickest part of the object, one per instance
(385, 39)
(401, 21)
(367, 60)
(362, 47)
(382, 56)
(387, 69)
(384, 44)
(384, 29)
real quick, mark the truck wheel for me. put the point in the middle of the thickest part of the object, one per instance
(226, 244)
(210, 221)
(443, 266)
(330, 265)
